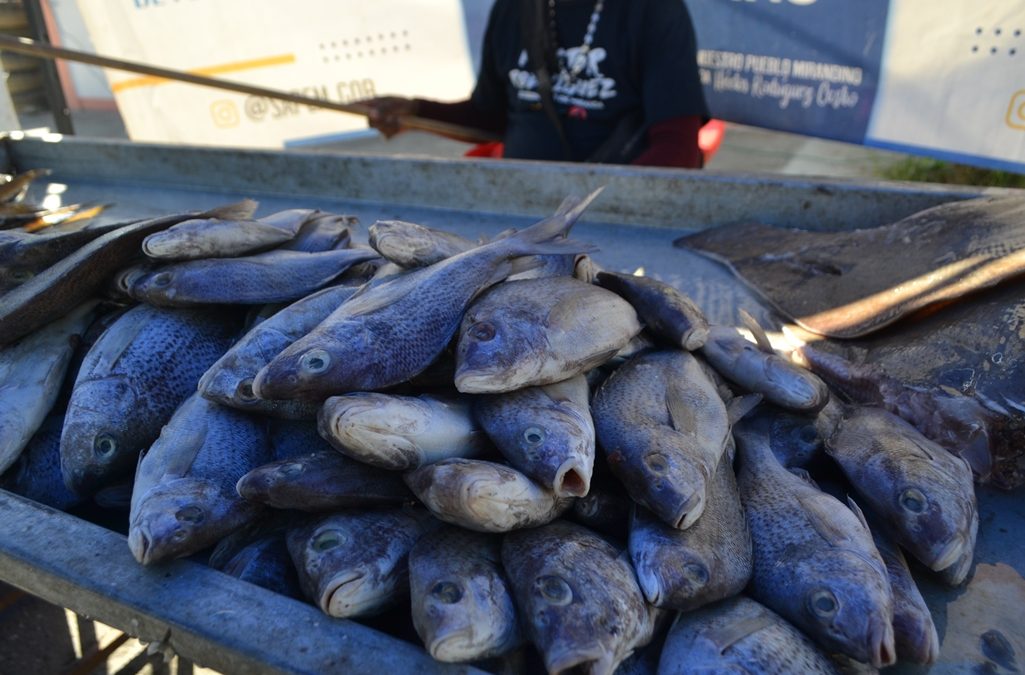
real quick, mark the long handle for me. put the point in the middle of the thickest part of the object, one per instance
(33, 48)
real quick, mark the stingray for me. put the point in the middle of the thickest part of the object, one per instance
(850, 283)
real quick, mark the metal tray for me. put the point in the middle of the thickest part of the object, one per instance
(219, 622)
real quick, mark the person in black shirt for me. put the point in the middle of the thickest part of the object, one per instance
(624, 84)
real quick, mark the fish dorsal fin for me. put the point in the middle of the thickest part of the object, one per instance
(740, 406)
(242, 210)
(186, 449)
(803, 475)
(757, 331)
(726, 636)
(380, 295)
(819, 509)
(681, 416)
(114, 343)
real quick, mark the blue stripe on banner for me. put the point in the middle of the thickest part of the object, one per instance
(960, 158)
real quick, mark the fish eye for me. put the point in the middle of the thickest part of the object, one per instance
(244, 391)
(190, 514)
(534, 435)
(315, 361)
(291, 469)
(555, 590)
(162, 279)
(587, 507)
(657, 462)
(327, 540)
(913, 500)
(104, 445)
(696, 573)
(482, 331)
(447, 592)
(823, 603)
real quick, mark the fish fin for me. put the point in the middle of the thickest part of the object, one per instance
(740, 406)
(859, 513)
(950, 390)
(819, 509)
(680, 414)
(384, 293)
(113, 344)
(724, 637)
(558, 224)
(803, 475)
(929, 455)
(757, 331)
(242, 210)
(186, 450)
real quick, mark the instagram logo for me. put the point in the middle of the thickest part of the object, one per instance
(225, 113)
(1016, 111)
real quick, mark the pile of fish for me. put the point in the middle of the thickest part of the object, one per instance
(518, 450)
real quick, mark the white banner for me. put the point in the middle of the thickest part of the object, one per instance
(337, 50)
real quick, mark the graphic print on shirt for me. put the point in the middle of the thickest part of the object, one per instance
(589, 89)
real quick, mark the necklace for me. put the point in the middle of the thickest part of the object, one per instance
(577, 58)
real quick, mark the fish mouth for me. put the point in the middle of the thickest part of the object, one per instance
(454, 647)
(271, 386)
(689, 511)
(920, 643)
(882, 651)
(579, 661)
(949, 554)
(478, 383)
(141, 545)
(650, 583)
(252, 485)
(345, 595)
(572, 480)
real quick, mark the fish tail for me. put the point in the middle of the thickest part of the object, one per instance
(538, 238)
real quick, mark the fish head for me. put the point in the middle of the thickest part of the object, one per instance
(794, 439)
(158, 287)
(460, 616)
(499, 350)
(843, 598)
(792, 386)
(181, 516)
(378, 429)
(259, 483)
(668, 574)
(665, 481)
(99, 442)
(310, 367)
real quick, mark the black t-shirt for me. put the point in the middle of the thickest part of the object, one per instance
(642, 60)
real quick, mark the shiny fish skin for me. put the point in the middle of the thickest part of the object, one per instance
(356, 563)
(709, 561)
(814, 559)
(322, 481)
(739, 635)
(398, 327)
(411, 245)
(131, 382)
(663, 428)
(484, 496)
(184, 495)
(922, 492)
(578, 597)
(545, 432)
(777, 379)
(461, 601)
(401, 432)
(31, 375)
(274, 276)
(539, 331)
(215, 238)
(230, 380)
(664, 310)
(323, 232)
(68, 283)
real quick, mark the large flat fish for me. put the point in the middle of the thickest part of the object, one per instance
(68, 283)
(851, 283)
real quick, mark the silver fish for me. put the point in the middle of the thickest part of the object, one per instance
(709, 561)
(230, 379)
(545, 432)
(31, 374)
(814, 559)
(274, 276)
(184, 496)
(757, 368)
(664, 428)
(739, 635)
(401, 432)
(323, 232)
(412, 245)
(539, 331)
(578, 597)
(356, 564)
(664, 310)
(398, 327)
(131, 382)
(215, 238)
(462, 603)
(922, 492)
(484, 496)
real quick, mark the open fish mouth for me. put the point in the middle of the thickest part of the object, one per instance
(949, 554)
(579, 661)
(882, 650)
(689, 511)
(140, 544)
(346, 595)
(571, 480)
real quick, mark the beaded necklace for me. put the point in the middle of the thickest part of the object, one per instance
(579, 55)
